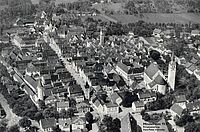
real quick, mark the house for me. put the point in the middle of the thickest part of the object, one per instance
(128, 124)
(48, 124)
(111, 108)
(147, 96)
(75, 91)
(116, 98)
(62, 105)
(176, 110)
(138, 106)
(98, 105)
(193, 107)
(195, 33)
(83, 107)
(181, 101)
(156, 32)
(154, 79)
(76, 123)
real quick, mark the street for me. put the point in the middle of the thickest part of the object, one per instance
(76, 75)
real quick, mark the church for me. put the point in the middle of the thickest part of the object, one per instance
(155, 80)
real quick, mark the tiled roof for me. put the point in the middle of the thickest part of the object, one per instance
(151, 70)
(160, 80)
(180, 98)
(177, 109)
(48, 123)
(139, 104)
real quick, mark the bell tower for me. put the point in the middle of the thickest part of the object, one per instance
(40, 91)
(172, 72)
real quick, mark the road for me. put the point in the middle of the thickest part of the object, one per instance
(10, 116)
(68, 66)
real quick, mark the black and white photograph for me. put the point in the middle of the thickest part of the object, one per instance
(99, 65)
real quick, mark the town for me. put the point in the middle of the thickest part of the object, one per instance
(66, 70)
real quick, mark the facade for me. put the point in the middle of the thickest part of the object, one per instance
(172, 74)
(138, 106)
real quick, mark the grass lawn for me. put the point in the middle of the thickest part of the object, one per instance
(159, 18)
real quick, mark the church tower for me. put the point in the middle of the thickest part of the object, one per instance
(101, 36)
(87, 91)
(172, 72)
(40, 92)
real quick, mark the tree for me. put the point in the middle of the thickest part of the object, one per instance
(146, 117)
(3, 125)
(63, 113)
(109, 125)
(41, 104)
(50, 112)
(155, 55)
(25, 123)
(14, 128)
(89, 117)
(192, 127)
(129, 98)
(56, 129)
(72, 102)
(70, 112)
(183, 120)
(38, 116)
(117, 123)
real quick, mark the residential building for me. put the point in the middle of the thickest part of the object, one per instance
(138, 106)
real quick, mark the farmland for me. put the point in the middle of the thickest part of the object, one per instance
(182, 18)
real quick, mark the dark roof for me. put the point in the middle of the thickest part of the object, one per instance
(160, 80)
(180, 98)
(48, 123)
(124, 67)
(74, 89)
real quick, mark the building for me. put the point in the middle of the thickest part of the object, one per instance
(111, 108)
(64, 105)
(193, 107)
(116, 98)
(172, 73)
(176, 110)
(147, 96)
(48, 124)
(181, 101)
(138, 106)
(154, 79)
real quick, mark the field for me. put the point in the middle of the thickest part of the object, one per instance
(35, 1)
(182, 18)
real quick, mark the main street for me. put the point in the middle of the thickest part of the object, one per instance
(68, 66)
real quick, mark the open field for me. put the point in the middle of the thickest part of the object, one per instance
(35, 1)
(182, 18)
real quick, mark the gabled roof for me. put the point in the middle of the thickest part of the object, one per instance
(180, 98)
(48, 123)
(177, 109)
(151, 70)
(124, 67)
(139, 104)
(115, 96)
(160, 80)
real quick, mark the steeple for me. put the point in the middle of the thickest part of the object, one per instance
(101, 36)
(40, 92)
(172, 72)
